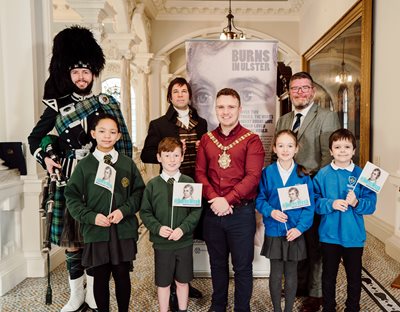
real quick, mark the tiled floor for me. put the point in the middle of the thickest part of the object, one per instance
(30, 294)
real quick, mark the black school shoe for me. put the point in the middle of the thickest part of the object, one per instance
(173, 299)
(194, 293)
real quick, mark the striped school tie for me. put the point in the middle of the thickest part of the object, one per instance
(107, 159)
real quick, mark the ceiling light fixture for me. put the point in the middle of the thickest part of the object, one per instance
(231, 31)
(343, 76)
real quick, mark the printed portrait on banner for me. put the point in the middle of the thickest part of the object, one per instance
(249, 67)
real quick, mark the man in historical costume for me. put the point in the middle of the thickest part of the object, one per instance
(180, 121)
(313, 126)
(229, 163)
(70, 109)
(183, 122)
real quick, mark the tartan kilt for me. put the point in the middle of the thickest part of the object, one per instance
(65, 231)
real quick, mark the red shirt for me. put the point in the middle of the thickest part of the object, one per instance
(240, 180)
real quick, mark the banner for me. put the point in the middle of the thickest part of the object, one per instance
(249, 67)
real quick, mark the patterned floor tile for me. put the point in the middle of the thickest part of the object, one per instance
(30, 294)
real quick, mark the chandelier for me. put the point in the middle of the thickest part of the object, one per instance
(231, 31)
(343, 76)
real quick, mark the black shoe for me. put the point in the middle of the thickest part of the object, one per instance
(173, 301)
(301, 292)
(194, 293)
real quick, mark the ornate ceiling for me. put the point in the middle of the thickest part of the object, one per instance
(125, 25)
(186, 9)
(71, 10)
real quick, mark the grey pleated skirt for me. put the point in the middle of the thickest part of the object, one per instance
(278, 248)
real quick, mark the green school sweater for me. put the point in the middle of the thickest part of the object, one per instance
(156, 211)
(85, 199)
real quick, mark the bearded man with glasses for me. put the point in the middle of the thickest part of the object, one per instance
(313, 126)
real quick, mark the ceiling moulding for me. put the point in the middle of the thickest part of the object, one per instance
(92, 11)
(123, 15)
(215, 10)
(62, 12)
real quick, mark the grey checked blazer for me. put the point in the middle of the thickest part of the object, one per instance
(313, 136)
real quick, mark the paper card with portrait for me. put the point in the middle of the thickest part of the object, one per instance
(105, 176)
(187, 194)
(294, 197)
(373, 177)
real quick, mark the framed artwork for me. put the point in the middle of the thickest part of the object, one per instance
(340, 64)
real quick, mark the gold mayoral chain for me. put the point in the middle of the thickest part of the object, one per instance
(224, 159)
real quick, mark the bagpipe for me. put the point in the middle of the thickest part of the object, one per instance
(52, 182)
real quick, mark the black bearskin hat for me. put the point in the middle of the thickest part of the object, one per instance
(73, 47)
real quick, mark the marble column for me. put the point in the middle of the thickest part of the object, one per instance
(23, 61)
(126, 90)
(142, 61)
(160, 78)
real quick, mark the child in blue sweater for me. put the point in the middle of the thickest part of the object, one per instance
(284, 243)
(342, 203)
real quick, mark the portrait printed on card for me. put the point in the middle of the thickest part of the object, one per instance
(294, 197)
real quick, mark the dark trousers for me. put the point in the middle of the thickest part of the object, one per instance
(352, 261)
(288, 269)
(309, 271)
(232, 234)
(101, 288)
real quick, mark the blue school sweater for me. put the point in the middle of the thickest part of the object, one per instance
(342, 228)
(268, 200)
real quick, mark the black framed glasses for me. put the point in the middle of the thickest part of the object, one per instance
(303, 89)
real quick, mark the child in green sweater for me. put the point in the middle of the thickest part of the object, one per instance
(106, 212)
(172, 241)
